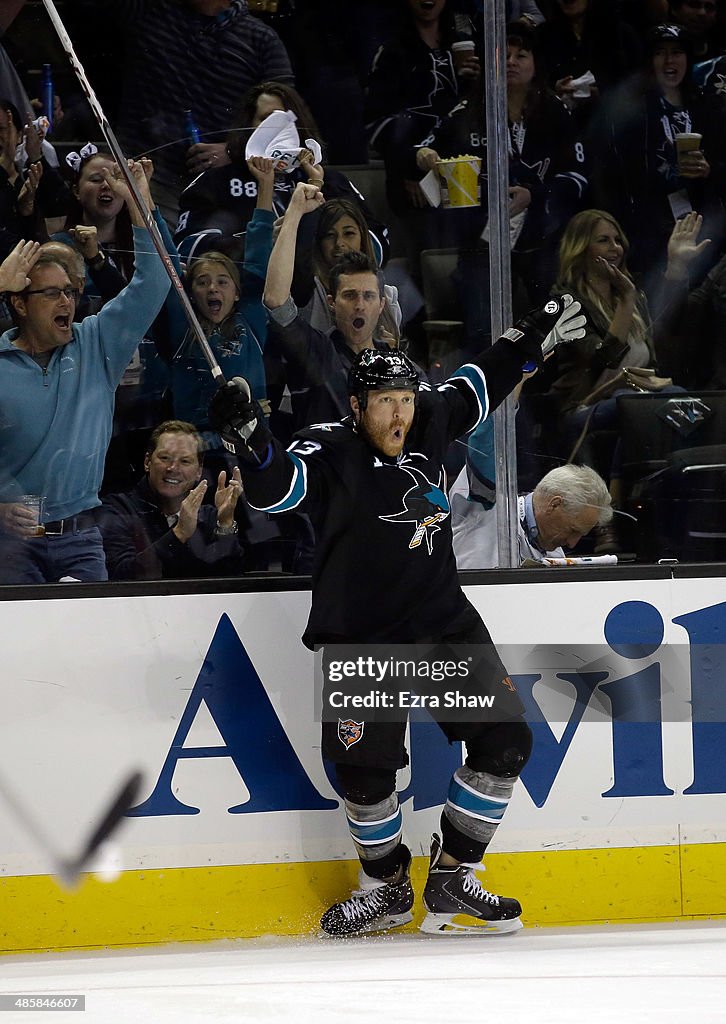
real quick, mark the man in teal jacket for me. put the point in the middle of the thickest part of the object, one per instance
(57, 385)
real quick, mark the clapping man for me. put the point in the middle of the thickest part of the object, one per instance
(161, 529)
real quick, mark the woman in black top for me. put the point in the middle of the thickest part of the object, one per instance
(637, 176)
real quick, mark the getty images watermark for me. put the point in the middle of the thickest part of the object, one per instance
(636, 682)
(384, 682)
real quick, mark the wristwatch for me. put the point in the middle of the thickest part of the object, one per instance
(226, 531)
(98, 260)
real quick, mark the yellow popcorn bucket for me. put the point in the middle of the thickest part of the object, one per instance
(460, 184)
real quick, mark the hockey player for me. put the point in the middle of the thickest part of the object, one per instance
(372, 485)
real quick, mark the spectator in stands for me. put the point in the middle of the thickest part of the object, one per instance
(200, 55)
(547, 179)
(232, 316)
(230, 311)
(72, 262)
(462, 132)
(161, 529)
(587, 35)
(99, 227)
(46, 152)
(57, 393)
(696, 319)
(25, 199)
(637, 174)
(567, 503)
(515, 10)
(342, 228)
(594, 271)
(318, 362)
(699, 18)
(413, 84)
(546, 169)
(217, 206)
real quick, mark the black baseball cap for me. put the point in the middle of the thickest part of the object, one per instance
(669, 33)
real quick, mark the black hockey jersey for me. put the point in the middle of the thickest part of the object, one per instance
(384, 567)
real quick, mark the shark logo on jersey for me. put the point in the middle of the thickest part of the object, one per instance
(425, 504)
(350, 732)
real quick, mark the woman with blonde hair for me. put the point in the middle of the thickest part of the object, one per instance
(620, 333)
(592, 262)
(593, 269)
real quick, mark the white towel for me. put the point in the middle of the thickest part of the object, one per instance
(277, 139)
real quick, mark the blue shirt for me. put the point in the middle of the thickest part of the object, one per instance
(55, 421)
(239, 349)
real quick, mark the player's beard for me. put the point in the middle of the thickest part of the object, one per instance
(381, 438)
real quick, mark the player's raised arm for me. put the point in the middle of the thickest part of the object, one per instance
(486, 380)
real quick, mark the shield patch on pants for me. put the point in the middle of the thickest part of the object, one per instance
(350, 732)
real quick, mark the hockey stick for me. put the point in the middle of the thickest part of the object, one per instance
(120, 159)
(68, 869)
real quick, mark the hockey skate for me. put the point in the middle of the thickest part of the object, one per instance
(457, 903)
(375, 907)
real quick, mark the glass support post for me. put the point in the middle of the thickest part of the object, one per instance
(500, 273)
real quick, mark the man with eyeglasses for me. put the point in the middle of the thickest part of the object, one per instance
(57, 385)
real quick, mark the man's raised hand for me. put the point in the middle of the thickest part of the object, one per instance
(189, 512)
(227, 495)
(17, 265)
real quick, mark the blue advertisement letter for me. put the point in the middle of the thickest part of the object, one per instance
(548, 753)
(253, 737)
(706, 630)
(637, 734)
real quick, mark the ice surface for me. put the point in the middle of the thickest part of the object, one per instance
(668, 972)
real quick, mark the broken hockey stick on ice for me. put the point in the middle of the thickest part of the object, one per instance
(120, 159)
(69, 868)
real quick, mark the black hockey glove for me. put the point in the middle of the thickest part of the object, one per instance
(541, 330)
(239, 421)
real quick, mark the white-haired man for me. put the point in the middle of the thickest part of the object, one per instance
(567, 503)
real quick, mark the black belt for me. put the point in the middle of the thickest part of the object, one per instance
(71, 524)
